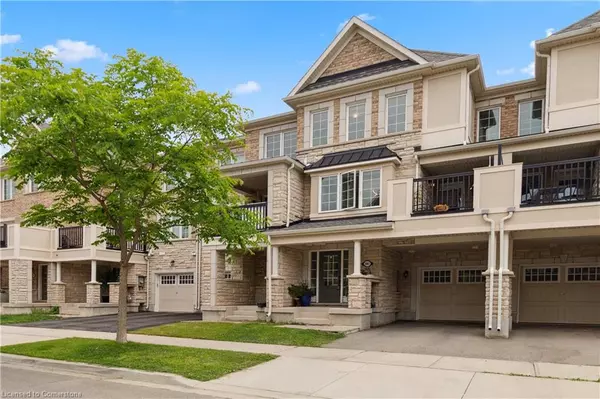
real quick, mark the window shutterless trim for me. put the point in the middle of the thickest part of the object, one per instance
(351, 104)
(519, 116)
(597, 273)
(361, 180)
(312, 126)
(436, 269)
(499, 108)
(386, 114)
(524, 270)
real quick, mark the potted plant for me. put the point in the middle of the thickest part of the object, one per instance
(301, 293)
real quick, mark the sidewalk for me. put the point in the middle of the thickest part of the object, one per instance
(332, 373)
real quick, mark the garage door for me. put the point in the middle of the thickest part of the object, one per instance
(560, 294)
(452, 294)
(176, 292)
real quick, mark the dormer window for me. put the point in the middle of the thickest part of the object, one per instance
(350, 190)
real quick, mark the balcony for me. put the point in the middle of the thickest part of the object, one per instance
(70, 237)
(137, 247)
(260, 210)
(561, 182)
(445, 193)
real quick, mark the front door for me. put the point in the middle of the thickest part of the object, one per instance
(330, 267)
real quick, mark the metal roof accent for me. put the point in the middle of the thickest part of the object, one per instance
(348, 221)
(353, 156)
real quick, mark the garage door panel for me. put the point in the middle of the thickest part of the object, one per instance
(582, 292)
(541, 292)
(176, 292)
(540, 312)
(583, 313)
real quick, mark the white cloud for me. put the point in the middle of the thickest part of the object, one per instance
(246, 88)
(529, 69)
(507, 71)
(550, 31)
(8, 39)
(68, 50)
(364, 17)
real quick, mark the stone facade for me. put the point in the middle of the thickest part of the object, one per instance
(92, 293)
(359, 292)
(506, 306)
(56, 293)
(358, 53)
(20, 281)
(75, 275)
(291, 271)
(113, 292)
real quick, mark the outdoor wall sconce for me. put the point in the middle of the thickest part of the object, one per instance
(172, 263)
(405, 274)
(141, 283)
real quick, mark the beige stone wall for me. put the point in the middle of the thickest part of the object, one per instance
(20, 280)
(252, 141)
(260, 272)
(235, 291)
(75, 275)
(280, 198)
(56, 293)
(507, 295)
(358, 53)
(359, 293)
(205, 276)
(181, 252)
(92, 293)
(291, 269)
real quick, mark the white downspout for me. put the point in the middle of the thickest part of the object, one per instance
(468, 123)
(269, 287)
(547, 105)
(501, 268)
(491, 265)
(198, 260)
(289, 194)
(147, 257)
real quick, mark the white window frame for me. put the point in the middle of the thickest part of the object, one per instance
(597, 281)
(347, 120)
(30, 184)
(308, 123)
(339, 191)
(458, 270)
(12, 189)
(519, 117)
(167, 277)
(404, 89)
(281, 135)
(186, 277)
(312, 127)
(444, 269)
(387, 98)
(361, 180)
(524, 269)
(499, 121)
(179, 232)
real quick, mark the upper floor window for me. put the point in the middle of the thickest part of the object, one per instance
(32, 186)
(488, 124)
(8, 190)
(238, 157)
(280, 144)
(355, 189)
(531, 117)
(181, 231)
(320, 123)
(396, 113)
(356, 120)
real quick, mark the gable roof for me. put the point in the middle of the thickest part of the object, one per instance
(353, 156)
(437, 56)
(582, 23)
(347, 33)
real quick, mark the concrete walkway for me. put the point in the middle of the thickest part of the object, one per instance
(332, 373)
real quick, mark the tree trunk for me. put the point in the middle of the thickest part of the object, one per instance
(122, 315)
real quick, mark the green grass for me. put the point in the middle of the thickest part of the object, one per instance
(194, 363)
(259, 333)
(35, 315)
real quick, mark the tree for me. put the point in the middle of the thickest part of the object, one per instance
(108, 147)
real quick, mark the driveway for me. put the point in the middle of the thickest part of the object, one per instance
(571, 345)
(108, 323)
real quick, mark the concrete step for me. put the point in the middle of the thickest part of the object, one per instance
(318, 313)
(247, 307)
(244, 313)
(240, 318)
(312, 321)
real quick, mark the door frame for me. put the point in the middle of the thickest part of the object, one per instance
(40, 281)
(342, 276)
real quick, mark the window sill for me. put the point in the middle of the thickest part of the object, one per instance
(7, 200)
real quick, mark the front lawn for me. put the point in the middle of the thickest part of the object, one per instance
(259, 333)
(194, 363)
(36, 315)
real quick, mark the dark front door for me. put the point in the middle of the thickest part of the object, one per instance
(330, 267)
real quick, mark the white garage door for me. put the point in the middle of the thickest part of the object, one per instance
(560, 294)
(176, 292)
(452, 294)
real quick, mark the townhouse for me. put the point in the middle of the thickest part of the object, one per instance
(399, 187)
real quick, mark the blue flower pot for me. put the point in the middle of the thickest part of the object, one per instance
(305, 300)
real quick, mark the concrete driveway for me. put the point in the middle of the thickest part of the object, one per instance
(108, 323)
(571, 345)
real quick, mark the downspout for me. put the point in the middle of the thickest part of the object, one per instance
(502, 266)
(269, 272)
(547, 105)
(147, 258)
(468, 122)
(198, 260)
(491, 265)
(289, 194)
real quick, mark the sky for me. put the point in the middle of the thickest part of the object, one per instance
(260, 50)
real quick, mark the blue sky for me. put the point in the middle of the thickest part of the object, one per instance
(263, 49)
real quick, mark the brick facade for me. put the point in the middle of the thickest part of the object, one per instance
(75, 275)
(23, 201)
(358, 53)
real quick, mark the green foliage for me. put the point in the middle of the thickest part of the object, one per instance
(259, 333)
(195, 363)
(296, 291)
(108, 146)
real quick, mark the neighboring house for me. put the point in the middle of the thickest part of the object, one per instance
(382, 187)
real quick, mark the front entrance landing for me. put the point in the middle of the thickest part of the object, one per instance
(554, 344)
(108, 323)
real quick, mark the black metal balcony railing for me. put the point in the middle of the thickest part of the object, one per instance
(70, 237)
(443, 194)
(576, 180)
(137, 247)
(3, 235)
(260, 210)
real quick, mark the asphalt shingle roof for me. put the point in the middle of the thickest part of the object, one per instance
(353, 156)
(352, 221)
(437, 56)
(582, 23)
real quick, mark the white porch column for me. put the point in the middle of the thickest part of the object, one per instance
(93, 272)
(58, 273)
(357, 257)
(213, 277)
(275, 261)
